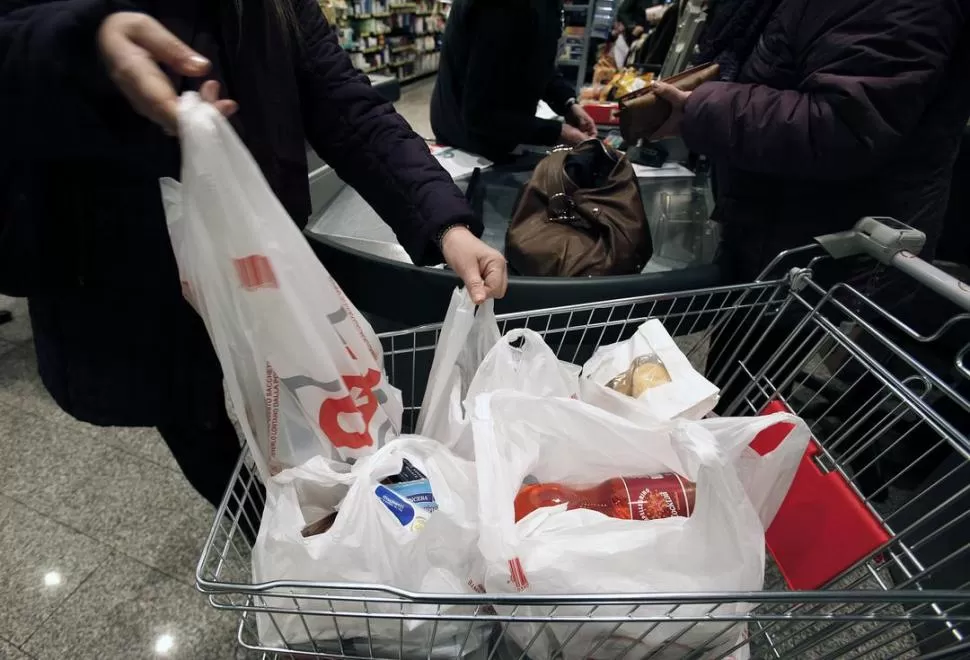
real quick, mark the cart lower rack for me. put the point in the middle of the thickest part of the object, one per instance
(869, 556)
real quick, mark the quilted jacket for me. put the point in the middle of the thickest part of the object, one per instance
(845, 108)
(82, 229)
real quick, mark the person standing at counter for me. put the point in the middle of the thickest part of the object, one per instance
(827, 111)
(88, 98)
(498, 60)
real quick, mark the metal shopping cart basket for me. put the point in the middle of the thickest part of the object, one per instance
(870, 553)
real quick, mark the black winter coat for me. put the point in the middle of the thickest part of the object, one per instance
(498, 59)
(83, 231)
(845, 108)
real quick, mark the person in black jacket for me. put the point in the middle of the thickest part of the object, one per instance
(498, 59)
(87, 128)
(632, 17)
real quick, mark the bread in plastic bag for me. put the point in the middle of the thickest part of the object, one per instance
(646, 377)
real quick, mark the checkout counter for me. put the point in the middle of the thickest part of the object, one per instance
(362, 254)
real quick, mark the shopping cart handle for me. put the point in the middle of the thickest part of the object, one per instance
(880, 238)
(893, 243)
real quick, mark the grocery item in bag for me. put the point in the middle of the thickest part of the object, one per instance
(303, 369)
(378, 537)
(554, 550)
(646, 378)
(627, 498)
(645, 372)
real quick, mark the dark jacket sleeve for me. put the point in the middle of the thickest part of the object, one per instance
(53, 87)
(370, 146)
(867, 81)
(497, 77)
(631, 14)
(558, 91)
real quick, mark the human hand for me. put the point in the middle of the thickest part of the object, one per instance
(571, 136)
(637, 31)
(578, 117)
(677, 100)
(131, 45)
(480, 267)
(655, 13)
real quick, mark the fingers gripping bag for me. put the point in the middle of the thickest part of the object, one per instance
(377, 532)
(647, 375)
(303, 369)
(714, 544)
(473, 358)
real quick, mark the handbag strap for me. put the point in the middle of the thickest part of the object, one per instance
(561, 205)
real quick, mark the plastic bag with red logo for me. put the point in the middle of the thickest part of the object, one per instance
(718, 546)
(303, 368)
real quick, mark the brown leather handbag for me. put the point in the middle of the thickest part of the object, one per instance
(580, 215)
(642, 113)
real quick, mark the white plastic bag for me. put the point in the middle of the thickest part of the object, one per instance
(720, 547)
(303, 369)
(688, 395)
(467, 335)
(472, 359)
(368, 544)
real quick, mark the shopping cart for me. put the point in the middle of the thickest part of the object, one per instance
(870, 553)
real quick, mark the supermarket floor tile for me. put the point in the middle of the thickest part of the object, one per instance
(51, 562)
(127, 610)
(144, 443)
(17, 330)
(414, 105)
(11, 652)
(137, 507)
(21, 387)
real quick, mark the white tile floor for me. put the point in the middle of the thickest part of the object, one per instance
(99, 532)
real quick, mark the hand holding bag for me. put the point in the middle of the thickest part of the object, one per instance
(642, 113)
(581, 214)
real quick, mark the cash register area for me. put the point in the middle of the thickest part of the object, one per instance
(99, 531)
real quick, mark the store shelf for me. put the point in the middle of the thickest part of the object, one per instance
(575, 7)
(409, 29)
(366, 51)
(418, 76)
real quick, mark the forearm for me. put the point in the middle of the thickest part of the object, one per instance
(372, 148)
(557, 93)
(782, 132)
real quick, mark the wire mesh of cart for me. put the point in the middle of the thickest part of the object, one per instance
(869, 556)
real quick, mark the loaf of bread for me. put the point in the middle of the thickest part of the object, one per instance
(644, 373)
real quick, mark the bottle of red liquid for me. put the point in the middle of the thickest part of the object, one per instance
(628, 498)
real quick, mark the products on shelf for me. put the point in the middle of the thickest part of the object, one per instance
(666, 495)
(401, 37)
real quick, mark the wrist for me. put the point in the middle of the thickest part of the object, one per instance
(449, 232)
